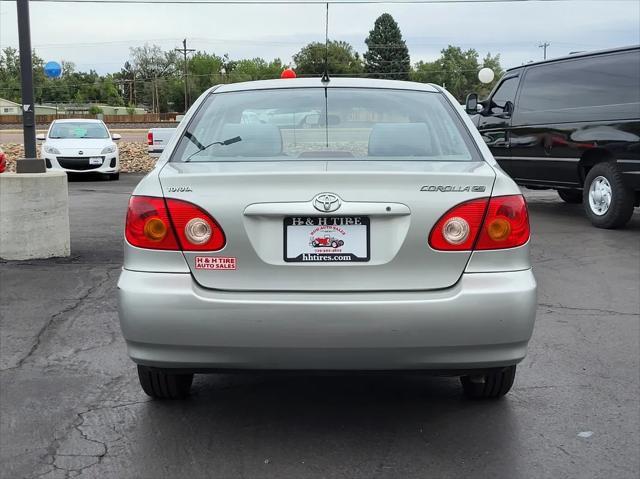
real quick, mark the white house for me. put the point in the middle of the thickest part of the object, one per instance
(8, 107)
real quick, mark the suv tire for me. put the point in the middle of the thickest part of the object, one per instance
(604, 183)
(570, 196)
(491, 385)
(161, 385)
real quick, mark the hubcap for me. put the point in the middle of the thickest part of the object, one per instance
(600, 195)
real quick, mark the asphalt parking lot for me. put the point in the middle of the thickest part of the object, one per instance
(72, 406)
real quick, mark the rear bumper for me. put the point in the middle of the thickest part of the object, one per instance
(484, 321)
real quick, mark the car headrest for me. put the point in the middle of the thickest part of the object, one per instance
(399, 139)
(257, 140)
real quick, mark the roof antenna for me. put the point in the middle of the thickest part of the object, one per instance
(325, 75)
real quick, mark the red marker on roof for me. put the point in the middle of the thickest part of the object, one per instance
(288, 73)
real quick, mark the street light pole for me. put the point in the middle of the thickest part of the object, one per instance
(29, 164)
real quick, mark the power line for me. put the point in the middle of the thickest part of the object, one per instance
(306, 2)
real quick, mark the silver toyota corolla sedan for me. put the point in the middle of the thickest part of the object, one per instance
(344, 225)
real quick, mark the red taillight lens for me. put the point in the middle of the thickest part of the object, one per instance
(196, 229)
(150, 138)
(497, 223)
(449, 232)
(148, 224)
(153, 223)
(506, 224)
(3, 162)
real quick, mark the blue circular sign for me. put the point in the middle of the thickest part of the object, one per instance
(53, 69)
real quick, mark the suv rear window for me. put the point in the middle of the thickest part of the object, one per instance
(583, 82)
(326, 123)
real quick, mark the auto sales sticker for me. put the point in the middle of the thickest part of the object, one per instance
(215, 262)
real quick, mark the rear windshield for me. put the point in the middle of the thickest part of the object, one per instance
(326, 123)
(78, 129)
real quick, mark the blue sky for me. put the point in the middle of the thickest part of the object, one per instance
(99, 36)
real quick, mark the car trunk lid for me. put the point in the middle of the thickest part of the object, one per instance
(270, 219)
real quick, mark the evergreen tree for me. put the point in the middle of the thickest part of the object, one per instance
(342, 59)
(387, 55)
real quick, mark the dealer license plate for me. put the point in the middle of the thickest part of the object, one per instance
(326, 239)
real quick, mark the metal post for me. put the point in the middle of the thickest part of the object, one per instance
(29, 164)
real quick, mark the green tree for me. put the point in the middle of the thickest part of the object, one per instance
(342, 59)
(10, 74)
(152, 67)
(204, 72)
(457, 71)
(387, 54)
(255, 69)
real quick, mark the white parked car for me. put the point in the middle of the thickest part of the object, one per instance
(81, 146)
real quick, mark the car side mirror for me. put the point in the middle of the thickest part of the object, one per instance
(41, 137)
(507, 111)
(471, 105)
(116, 136)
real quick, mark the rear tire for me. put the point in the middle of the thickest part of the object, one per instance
(492, 385)
(570, 196)
(161, 385)
(621, 198)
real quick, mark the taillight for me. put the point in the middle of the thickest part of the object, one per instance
(196, 229)
(458, 229)
(3, 162)
(156, 223)
(506, 224)
(150, 138)
(483, 224)
(148, 224)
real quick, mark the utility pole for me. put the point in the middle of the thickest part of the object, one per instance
(184, 50)
(544, 46)
(29, 164)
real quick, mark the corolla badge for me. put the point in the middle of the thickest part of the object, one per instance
(454, 188)
(326, 202)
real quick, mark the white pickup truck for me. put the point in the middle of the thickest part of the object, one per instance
(157, 139)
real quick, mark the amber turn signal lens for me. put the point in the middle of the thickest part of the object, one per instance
(499, 229)
(155, 229)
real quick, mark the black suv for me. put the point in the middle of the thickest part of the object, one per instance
(571, 124)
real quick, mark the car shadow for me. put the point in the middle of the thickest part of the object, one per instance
(361, 425)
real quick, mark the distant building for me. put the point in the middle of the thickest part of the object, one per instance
(45, 110)
(8, 107)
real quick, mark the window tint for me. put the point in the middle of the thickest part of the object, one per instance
(596, 81)
(505, 92)
(336, 123)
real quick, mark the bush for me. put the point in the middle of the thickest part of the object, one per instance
(94, 110)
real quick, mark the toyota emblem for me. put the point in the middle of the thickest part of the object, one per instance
(326, 202)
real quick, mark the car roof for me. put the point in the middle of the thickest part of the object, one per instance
(341, 82)
(577, 55)
(75, 120)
